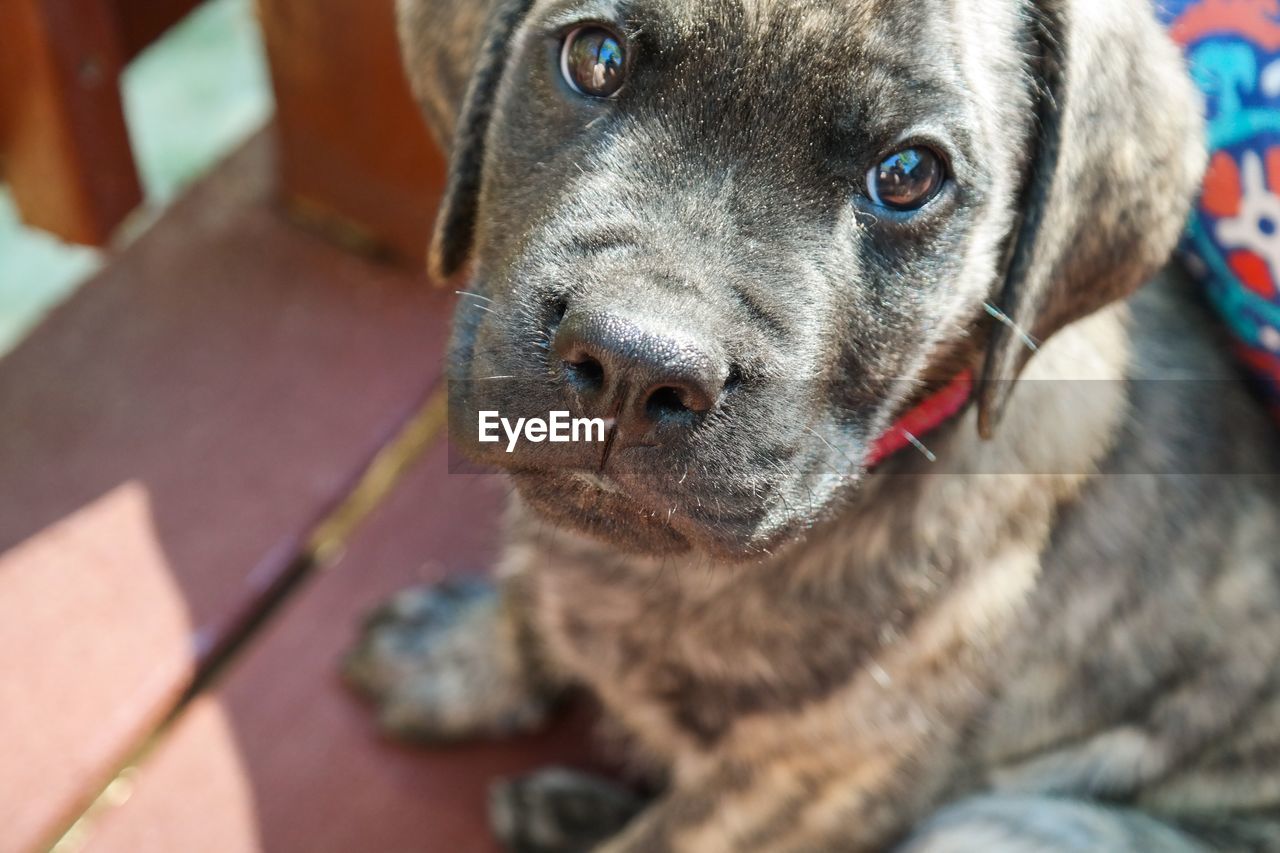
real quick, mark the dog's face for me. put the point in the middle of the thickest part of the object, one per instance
(747, 233)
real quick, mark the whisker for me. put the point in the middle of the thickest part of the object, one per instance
(1008, 321)
(919, 445)
(472, 295)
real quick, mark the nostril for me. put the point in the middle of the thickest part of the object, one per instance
(734, 379)
(559, 308)
(585, 373)
(554, 314)
(665, 402)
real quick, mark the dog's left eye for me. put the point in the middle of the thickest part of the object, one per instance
(592, 61)
(906, 180)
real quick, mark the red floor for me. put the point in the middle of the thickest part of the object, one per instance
(169, 441)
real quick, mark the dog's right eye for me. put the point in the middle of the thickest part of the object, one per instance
(592, 61)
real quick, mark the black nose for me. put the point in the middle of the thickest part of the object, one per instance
(647, 371)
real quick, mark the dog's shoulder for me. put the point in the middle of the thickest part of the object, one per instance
(1155, 621)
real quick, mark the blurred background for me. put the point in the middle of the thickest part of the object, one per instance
(188, 99)
(221, 431)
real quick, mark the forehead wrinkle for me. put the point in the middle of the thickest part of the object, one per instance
(852, 36)
(763, 19)
(844, 14)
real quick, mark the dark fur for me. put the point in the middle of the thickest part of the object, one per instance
(1064, 635)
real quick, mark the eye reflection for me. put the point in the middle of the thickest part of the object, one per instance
(592, 61)
(906, 180)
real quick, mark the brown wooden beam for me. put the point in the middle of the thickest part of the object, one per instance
(140, 22)
(354, 149)
(63, 140)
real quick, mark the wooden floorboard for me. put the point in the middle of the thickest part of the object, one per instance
(168, 439)
(282, 758)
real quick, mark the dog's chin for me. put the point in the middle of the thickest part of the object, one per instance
(587, 506)
(599, 508)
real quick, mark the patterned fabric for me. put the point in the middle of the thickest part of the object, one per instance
(1233, 241)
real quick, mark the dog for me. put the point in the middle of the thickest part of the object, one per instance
(751, 237)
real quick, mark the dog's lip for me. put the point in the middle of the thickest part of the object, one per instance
(618, 483)
(731, 539)
(582, 503)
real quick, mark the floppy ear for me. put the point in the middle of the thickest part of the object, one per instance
(1115, 163)
(455, 52)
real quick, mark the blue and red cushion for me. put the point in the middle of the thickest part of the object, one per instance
(1233, 241)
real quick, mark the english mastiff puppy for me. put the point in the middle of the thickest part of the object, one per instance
(768, 243)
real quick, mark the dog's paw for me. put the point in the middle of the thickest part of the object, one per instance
(559, 811)
(443, 663)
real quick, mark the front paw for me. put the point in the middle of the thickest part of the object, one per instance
(559, 811)
(446, 663)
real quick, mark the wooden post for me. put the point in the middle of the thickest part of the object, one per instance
(354, 149)
(140, 22)
(64, 146)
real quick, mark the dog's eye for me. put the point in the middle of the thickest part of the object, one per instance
(906, 180)
(592, 61)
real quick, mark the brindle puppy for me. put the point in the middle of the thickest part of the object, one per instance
(753, 233)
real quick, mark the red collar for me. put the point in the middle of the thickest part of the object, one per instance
(931, 413)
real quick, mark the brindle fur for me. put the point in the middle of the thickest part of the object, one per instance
(1063, 637)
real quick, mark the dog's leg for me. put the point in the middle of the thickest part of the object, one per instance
(559, 811)
(771, 809)
(452, 661)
